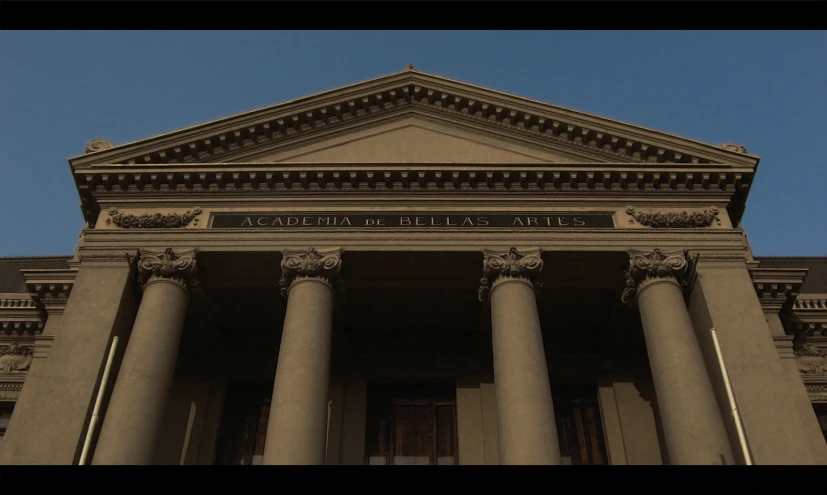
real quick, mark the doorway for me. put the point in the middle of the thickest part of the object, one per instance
(578, 424)
(411, 424)
(244, 424)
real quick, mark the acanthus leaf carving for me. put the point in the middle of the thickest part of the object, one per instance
(15, 358)
(656, 264)
(811, 360)
(180, 268)
(513, 263)
(153, 220)
(676, 219)
(325, 265)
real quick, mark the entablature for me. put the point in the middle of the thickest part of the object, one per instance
(234, 181)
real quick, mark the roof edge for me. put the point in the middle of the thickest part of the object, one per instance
(414, 75)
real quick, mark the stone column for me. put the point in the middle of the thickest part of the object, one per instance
(297, 428)
(133, 418)
(525, 412)
(690, 415)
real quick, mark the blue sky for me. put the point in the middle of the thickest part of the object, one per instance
(765, 90)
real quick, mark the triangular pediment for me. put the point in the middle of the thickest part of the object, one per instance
(412, 139)
(414, 117)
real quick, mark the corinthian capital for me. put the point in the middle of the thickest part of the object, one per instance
(525, 265)
(655, 264)
(178, 267)
(324, 265)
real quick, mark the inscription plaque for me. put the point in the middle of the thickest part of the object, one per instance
(410, 220)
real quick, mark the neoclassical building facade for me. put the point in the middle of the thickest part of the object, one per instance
(413, 270)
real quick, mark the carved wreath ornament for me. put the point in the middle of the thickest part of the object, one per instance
(676, 219)
(811, 361)
(513, 264)
(14, 358)
(325, 265)
(153, 220)
(168, 265)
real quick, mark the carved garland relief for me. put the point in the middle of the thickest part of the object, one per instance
(153, 220)
(676, 219)
(15, 358)
(811, 361)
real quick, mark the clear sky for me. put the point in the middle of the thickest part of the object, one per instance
(764, 90)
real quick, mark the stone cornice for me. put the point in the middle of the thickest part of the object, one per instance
(20, 314)
(100, 181)
(50, 288)
(267, 127)
(777, 288)
(227, 177)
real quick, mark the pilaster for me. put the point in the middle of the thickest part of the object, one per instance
(726, 298)
(53, 410)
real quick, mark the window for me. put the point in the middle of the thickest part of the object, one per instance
(411, 425)
(6, 409)
(244, 424)
(821, 415)
(578, 424)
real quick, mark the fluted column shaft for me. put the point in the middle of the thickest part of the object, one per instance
(296, 431)
(690, 416)
(133, 418)
(527, 432)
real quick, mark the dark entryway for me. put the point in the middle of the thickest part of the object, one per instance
(244, 424)
(578, 424)
(411, 425)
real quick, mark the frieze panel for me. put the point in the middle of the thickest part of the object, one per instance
(675, 219)
(15, 358)
(414, 220)
(811, 360)
(153, 220)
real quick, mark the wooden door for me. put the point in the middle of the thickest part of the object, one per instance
(411, 425)
(578, 424)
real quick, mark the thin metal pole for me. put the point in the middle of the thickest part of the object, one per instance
(98, 401)
(736, 416)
